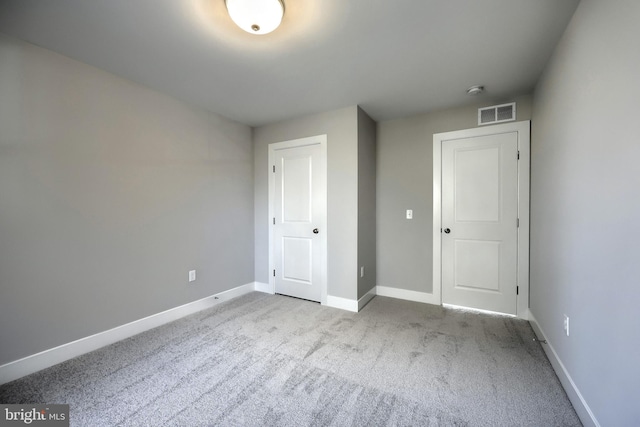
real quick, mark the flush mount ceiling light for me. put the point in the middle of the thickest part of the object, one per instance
(256, 16)
(475, 90)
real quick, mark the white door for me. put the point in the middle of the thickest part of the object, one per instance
(299, 232)
(479, 222)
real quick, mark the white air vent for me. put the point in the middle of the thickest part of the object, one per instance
(497, 114)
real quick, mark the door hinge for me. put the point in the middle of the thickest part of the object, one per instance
(274, 168)
(274, 273)
(517, 222)
(518, 154)
(274, 220)
(517, 290)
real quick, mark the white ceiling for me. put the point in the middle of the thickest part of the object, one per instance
(394, 58)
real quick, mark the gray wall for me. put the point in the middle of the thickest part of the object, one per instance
(405, 181)
(585, 255)
(341, 129)
(109, 194)
(366, 202)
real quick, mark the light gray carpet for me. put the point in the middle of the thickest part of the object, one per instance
(271, 360)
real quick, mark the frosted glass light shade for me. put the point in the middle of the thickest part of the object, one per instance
(256, 16)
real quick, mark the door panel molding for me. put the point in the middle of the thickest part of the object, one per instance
(522, 129)
(319, 200)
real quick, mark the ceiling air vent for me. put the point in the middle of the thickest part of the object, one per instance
(497, 114)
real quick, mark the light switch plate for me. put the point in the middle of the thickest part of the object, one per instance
(409, 213)
(192, 275)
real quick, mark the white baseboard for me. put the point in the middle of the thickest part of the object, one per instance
(342, 303)
(405, 294)
(264, 287)
(579, 404)
(366, 298)
(36, 362)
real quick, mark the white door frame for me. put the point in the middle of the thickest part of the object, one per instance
(301, 142)
(524, 170)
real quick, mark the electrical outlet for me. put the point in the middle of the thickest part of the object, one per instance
(362, 271)
(566, 324)
(192, 275)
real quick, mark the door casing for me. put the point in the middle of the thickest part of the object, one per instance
(301, 142)
(524, 149)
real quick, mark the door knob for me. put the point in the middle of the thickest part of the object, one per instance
(446, 230)
(315, 231)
